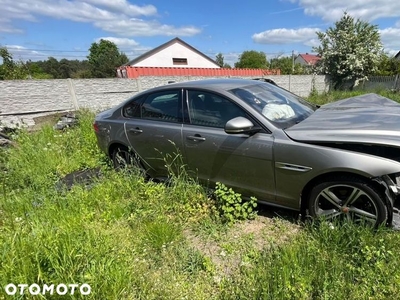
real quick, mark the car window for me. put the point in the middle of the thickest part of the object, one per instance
(208, 109)
(279, 106)
(132, 109)
(164, 106)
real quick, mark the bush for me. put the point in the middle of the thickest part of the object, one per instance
(231, 205)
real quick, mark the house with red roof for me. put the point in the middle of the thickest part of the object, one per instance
(177, 58)
(307, 59)
(174, 54)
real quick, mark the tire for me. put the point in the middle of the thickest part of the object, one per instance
(125, 159)
(347, 198)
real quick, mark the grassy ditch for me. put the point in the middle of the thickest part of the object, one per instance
(131, 239)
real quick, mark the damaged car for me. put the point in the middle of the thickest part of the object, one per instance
(337, 161)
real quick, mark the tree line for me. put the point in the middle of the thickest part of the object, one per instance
(104, 57)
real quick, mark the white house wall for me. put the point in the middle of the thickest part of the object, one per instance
(164, 57)
(300, 60)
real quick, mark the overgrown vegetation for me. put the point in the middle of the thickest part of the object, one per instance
(332, 96)
(132, 239)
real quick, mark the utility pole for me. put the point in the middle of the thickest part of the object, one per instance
(292, 61)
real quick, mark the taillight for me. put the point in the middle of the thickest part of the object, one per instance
(96, 127)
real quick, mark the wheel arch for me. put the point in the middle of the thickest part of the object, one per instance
(113, 146)
(323, 177)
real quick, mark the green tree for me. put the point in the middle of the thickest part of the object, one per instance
(63, 69)
(82, 71)
(36, 72)
(285, 65)
(10, 69)
(387, 66)
(51, 66)
(104, 57)
(349, 51)
(252, 59)
(219, 59)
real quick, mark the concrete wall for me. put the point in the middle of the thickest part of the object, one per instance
(23, 100)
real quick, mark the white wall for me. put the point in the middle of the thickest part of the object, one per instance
(300, 60)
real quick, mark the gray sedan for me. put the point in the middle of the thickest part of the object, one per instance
(340, 160)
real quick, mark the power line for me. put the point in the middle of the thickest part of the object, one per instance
(125, 49)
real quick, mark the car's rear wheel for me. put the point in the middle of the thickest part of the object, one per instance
(347, 198)
(125, 159)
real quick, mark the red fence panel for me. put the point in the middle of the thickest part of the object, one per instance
(135, 72)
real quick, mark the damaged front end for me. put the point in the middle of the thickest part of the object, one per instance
(390, 185)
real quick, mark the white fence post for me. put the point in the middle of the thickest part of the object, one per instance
(71, 89)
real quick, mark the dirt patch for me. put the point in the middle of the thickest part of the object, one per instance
(49, 119)
(230, 250)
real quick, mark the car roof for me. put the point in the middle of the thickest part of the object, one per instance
(217, 84)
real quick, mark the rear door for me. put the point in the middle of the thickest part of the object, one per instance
(241, 161)
(155, 129)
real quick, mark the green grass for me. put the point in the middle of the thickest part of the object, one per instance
(332, 96)
(131, 239)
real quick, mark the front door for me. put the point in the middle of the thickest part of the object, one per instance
(240, 161)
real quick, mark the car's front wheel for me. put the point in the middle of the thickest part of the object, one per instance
(347, 198)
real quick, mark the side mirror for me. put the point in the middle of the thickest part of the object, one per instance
(240, 125)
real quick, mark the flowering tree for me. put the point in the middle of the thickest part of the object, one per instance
(350, 51)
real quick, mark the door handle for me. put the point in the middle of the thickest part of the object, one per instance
(135, 130)
(196, 137)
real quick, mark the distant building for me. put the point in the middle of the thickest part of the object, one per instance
(174, 54)
(397, 56)
(177, 58)
(307, 59)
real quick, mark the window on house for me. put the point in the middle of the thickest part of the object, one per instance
(179, 61)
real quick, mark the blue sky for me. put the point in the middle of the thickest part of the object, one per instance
(37, 29)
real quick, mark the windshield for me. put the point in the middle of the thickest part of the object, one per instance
(279, 106)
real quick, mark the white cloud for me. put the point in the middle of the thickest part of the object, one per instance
(116, 16)
(120, 42)
(6, 27)
(313, 43)
(364, 9)
(139, 27)
(122, 6)
(390, 39)
(285, 36)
